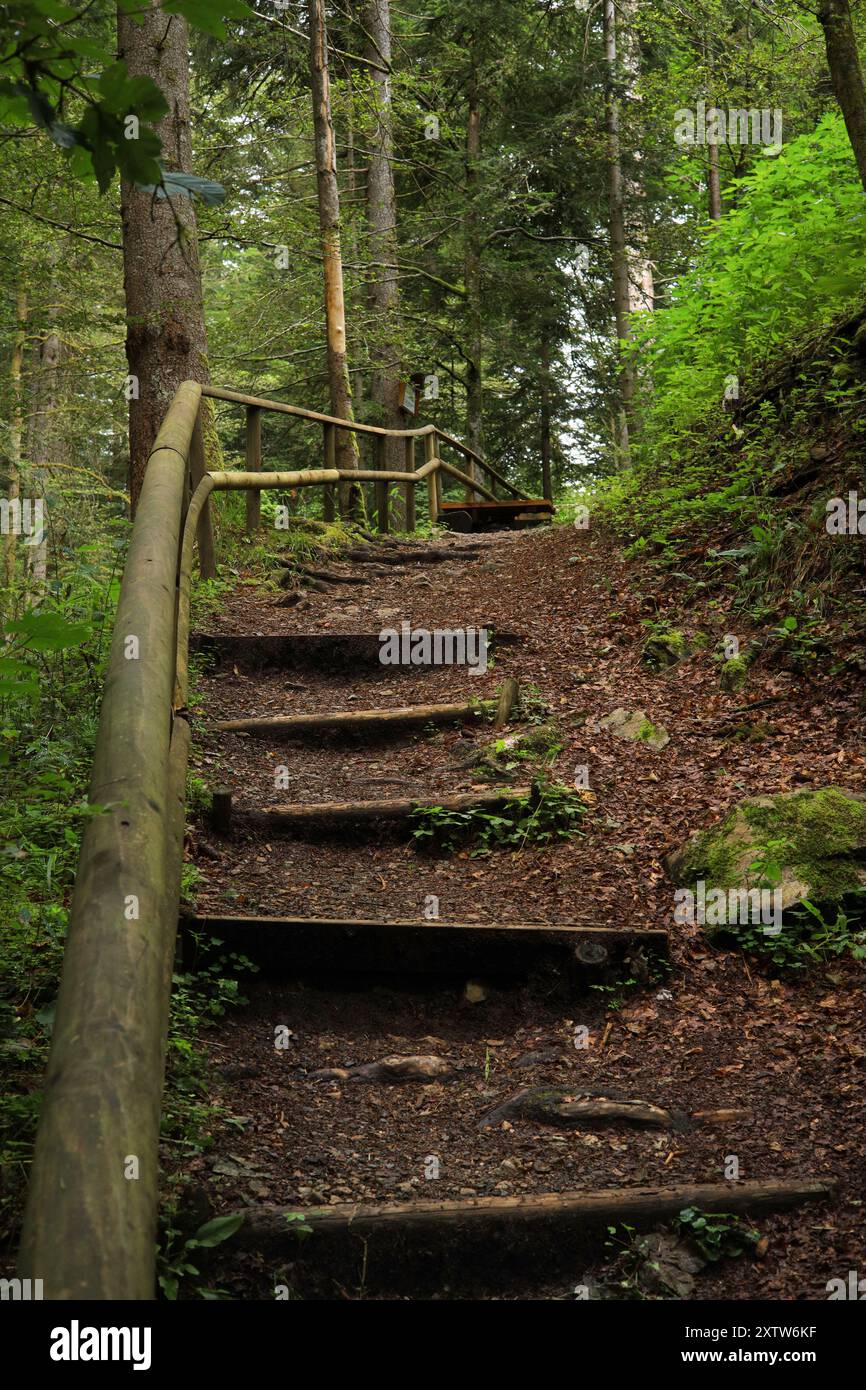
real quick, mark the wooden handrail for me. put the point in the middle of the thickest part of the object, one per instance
(91, 1214)
(90, 1219)
(219, 393)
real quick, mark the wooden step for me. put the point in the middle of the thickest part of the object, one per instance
(413, 1245)
(321, 651)
(283, 944)
(364, 721)
(325, 815)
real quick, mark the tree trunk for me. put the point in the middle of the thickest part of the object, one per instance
(714, 183)
(45, 434)
(166, 342)
(544, 392)
(472, 279)
(618, 240)
(15, 419)
(339, 386)
(355, 294)
(382, 222)
(846, 73)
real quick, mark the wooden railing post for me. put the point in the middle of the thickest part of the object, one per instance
(253, 464)
(206, 545)
(432, 489)
(382, 497)
(409, 444)
(329, 500)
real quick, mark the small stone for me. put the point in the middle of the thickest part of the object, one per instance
(474, 993)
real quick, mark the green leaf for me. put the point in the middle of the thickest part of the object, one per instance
(208, 15)
(192, 185)
(216, 1231)
(49, 632)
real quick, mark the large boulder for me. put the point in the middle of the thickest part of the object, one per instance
(810, 844)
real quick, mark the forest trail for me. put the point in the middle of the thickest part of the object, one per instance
(300, 1127)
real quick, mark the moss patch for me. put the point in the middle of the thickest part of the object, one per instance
(636, 726)
(810, 844)
(734, 674)
(663, 649)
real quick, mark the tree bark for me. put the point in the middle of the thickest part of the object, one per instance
(544, 393)
(382, 224)
(846, 74)
(714, 183)
(472, 276)
(45, 436)
(15, 424)
(339, 385)
(618, 240)
(166, 341)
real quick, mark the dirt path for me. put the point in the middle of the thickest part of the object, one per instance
(711, 1033)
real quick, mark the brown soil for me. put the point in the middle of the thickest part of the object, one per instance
(718, 1030)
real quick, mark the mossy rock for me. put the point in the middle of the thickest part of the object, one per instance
(524, 747)
(538, 738)
(663, 649)
(816, 838)
(735, 673)
(636, 726)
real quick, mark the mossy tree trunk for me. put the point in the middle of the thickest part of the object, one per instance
(846, 73)
(166, 341)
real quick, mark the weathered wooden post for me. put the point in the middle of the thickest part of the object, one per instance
(205, 535)
(410, 487)
(329, 500)
(432, 489)
(253, 465)
(382, 498)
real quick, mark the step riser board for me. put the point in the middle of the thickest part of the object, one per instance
(336, 652)
(366, 725)
(498, 1242)
(283, 945)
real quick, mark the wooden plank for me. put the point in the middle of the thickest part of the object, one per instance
(324, 814)
(285, 945)
(569, 1212)
(505, 703)
(430, 463)
(329, 496)
(360, 720)
(381, 487)
(253, 465)
(221, 810)
(205, 533)
(324, 651)
(524, 504)
(409, 489)
(651, 936)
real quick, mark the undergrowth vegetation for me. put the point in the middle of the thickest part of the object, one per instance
(549, 812)
(754, 350)
(51, 673)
